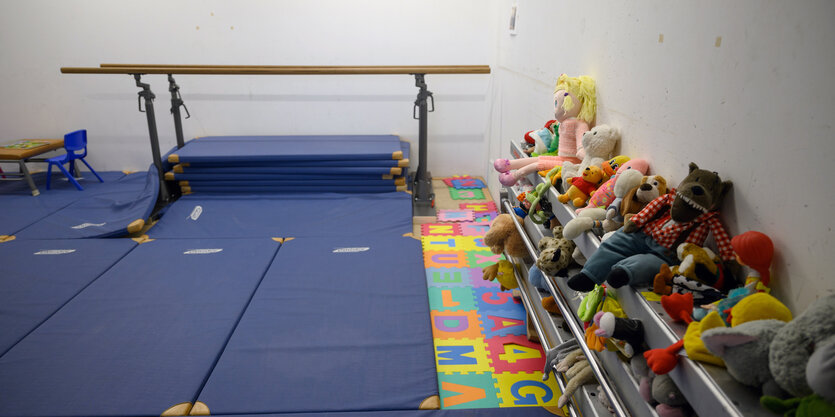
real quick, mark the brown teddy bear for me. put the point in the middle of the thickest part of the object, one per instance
(503, 237)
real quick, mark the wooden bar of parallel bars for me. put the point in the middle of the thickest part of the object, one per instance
(275, 69)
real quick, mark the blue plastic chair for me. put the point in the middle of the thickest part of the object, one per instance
(73, 142)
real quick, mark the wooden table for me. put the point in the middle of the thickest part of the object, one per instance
(22, 156)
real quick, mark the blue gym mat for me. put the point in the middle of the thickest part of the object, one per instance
(286, 215)
(99, 214)
(141, 338)
(281, 189)
(294, 148)
(262, 173)
(39, 276)
(337, 324)
(21, 209)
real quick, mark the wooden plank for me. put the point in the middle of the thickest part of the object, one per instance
(276, 69)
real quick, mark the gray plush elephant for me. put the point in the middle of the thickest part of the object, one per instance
(774, 355)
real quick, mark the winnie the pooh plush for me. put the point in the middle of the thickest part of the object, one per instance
(583, 187)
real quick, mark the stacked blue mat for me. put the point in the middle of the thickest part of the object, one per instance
(270, 164)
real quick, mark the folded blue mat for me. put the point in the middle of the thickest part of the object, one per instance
(299, 149)
(285, 215)
(100, 214)
(266, 172)
(337, 324)
(39, 276)
(142, 337)
(291, 189)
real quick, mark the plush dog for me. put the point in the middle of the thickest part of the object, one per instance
(634, 254)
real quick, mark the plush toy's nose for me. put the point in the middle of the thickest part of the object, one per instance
(646, 187)
(557, 254)
(697, 190)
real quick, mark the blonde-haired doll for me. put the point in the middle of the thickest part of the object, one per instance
(575, 105)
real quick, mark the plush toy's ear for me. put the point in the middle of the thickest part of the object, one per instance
(724, 189)
(717, 340)
(693, 166)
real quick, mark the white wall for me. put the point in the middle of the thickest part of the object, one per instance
(38, 37)
(756, 106)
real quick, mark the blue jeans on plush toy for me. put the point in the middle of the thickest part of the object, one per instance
(624, 258)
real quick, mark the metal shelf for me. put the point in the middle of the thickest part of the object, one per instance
(708, 388)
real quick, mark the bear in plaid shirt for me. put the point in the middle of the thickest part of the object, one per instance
(635, 253)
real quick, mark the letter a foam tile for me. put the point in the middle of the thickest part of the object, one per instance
(526, 389)
(461, 356)
(468, 391)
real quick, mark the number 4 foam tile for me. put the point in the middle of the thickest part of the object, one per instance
(456, 215)
(515, 353)
(474, 194)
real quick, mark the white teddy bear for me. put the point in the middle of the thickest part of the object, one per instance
(599, 142)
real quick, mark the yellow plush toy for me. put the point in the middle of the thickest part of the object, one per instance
(503, 273)
(583, 187)
(693, 256)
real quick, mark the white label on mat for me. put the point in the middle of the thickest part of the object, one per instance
(54, 251)
(350, 250)
(201, 251)
(86, 225)
(195, 214)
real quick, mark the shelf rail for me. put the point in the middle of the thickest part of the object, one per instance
(574, 326)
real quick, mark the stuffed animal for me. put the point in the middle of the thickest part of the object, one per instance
(544, 140)
(598, 143)
(503, 236)
(635, 253)
(555, 253)
(577, 372)
(589, 218)
(630, 331)
(774, 355)
(756, 307)
(582, 187)
(605, 194)
(636, 198)
(575, 105)
(502, 272)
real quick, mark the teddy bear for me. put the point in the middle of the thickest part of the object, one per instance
(635, 253)
(575, 106)
(775, 355)
(503, 236)
(700, 272)
(582, 187)
(598, 143)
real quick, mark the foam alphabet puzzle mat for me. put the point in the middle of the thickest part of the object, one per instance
(482, 354)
